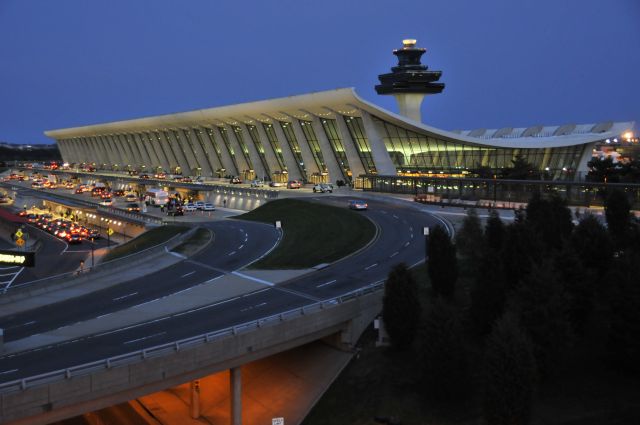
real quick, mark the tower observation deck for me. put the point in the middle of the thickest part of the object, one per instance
(410, 80)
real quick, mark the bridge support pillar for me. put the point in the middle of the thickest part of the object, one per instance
(235, 380)
(194, 407)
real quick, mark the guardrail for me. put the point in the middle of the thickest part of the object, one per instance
(175, 346)
(90, 271)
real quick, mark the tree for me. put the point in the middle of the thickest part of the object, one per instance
(445, 370)
(603, 169)
(578, 284)
(617, 211)
(509, 375)
(551, 219)
(470, 240)
(592, 244)
(521, 169)
(488, 294)
(539, 304)
(520, 250)
(494, 231)
(442, 266)
(401, 307)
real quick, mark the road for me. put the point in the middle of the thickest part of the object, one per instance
(400, 240)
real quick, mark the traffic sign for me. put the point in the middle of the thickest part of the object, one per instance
(19, 233)
(19, 241)
(110, 231)
(277, 421)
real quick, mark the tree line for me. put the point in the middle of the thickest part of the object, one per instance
(538, 286)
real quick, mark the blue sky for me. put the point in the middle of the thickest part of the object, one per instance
(68, 63)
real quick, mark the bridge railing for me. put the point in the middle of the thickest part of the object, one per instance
(175, 346)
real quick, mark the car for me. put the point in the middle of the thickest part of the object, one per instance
(107, 202)
(133, 207)
(160, 176)
(257, 183)
(199, 204)
(31, 218)
(118, 193)
(178, 210)
(323, 188)
(144, 176)
(294, 184)
(73, 238)
(131, 198)
(358, 205)
(190, 207)
(79, 191)
(275, 184)
(93, 234)
(235, 180)
(208, 207)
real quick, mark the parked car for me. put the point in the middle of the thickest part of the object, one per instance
(235, 180)
(257, 183)
(323, 187)
(294, 184)
(190, 207)
(358, 205)
(199, 204)
(208, 207)
(275, 184)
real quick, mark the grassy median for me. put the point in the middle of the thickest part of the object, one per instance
(312, 233)
(148, 239)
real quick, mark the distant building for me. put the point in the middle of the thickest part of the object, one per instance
(329, 136)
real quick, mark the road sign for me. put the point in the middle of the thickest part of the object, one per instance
(19, 233)
(16, 258)
(277, 421)
(110, 231)
(19, 241)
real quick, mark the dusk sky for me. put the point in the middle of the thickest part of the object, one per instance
(505, 63)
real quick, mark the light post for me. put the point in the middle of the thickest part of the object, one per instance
(425, 232)
(92, 248)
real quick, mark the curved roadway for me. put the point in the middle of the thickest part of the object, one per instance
(400, 240)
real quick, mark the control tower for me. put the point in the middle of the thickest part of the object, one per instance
(410, 81)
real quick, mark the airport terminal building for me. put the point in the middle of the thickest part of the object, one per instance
(329, 136)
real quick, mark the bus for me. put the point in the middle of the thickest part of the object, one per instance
(156, 197)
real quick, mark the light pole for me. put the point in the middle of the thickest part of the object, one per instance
(425, 232)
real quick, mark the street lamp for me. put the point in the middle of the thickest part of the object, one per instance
(425, 232)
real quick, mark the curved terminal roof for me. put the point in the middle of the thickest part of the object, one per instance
(345, 101)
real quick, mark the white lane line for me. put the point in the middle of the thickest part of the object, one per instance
(252, 307)
(241, 246)
(7, 268)
(246, 238)
(394, 254)
(411, 229)
(255, 279)
(231, 253)
(188, 274)
(8, 371)
(371, 266)
(395, 216)
(326, 283)
(125, 296)
(406, 244)
(28, 323)
(411, 236)
(65, 248)
(143, 338)
(14, 278)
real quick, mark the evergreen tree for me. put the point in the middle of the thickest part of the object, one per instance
(445, 370)
(488, 295)
(470, 241)
(401, 307)
(592, 244)
(540, 305)
(617, 211)
(509, 375)
(520, 250)
(551, 219)
(494, 231)
(578, 284)
(442, 266)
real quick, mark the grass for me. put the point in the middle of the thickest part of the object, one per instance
(312, 233)
(192, 245)
(148, 239)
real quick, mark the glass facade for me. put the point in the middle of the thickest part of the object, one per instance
(359, 137)
(417, 153)
(255, 138)
(275, 145)
(337, 146)
(314, 145)
(287, 129)
(243, 146)
(232, 154)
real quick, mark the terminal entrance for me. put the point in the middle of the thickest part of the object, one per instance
(317, 178)
(280, 176)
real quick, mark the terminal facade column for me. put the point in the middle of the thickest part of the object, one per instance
(236, 395)
(381, 157)
(335, 170)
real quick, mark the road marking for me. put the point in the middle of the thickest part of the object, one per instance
(231, 253)
(395, 216)
(411, 228)
(143, 338)
(394, 254)
(125, 296)
(188, 274)
(241, 246)
(406, 244)
(252, 307)
(8, 371)
(255, 279)
(371, 266)
(14, 278)
(411, 235)
(327, 283)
